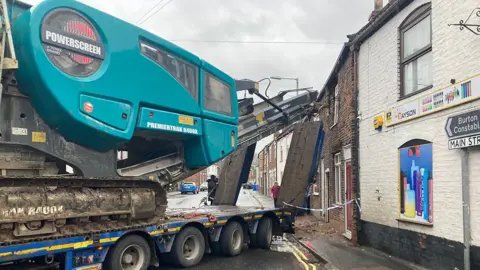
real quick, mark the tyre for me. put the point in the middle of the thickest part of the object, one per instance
(232, 239)
(188, 248)
(263, 237)
(131, 252)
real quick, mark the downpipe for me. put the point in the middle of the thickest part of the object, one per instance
(356, 139)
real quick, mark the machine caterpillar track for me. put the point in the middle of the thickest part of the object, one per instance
(76, 92)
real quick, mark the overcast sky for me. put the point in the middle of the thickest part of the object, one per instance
(326, 21)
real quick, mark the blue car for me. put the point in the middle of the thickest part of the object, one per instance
(188, 187)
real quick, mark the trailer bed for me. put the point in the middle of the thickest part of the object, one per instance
(95, 246)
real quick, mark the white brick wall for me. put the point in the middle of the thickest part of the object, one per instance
(456, 55)
(283, 145)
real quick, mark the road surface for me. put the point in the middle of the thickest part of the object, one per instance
(246, 198)
(282, 255)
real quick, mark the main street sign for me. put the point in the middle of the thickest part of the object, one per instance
(464, 142)
(463, 130)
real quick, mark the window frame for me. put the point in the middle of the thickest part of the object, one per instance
(315, 190)
(412, 20)
(207, 74)
(336, 105)
(338, 177)
(179, 60)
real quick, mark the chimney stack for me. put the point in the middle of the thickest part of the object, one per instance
(377, 8)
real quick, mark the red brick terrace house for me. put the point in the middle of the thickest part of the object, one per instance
(194, 178)
(336, 182)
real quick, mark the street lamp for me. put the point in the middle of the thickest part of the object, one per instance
(282, 78)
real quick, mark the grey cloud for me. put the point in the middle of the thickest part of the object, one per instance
(332, 20)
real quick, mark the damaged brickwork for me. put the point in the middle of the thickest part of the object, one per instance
(339, 139)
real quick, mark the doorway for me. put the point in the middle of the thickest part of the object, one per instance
(348, 192)
(326, 177)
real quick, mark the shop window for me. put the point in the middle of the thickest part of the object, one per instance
(416, 52)
(415, 183)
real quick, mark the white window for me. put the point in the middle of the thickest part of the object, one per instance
(338, 178)
(316, 190)
(416, 52)
(337, 103)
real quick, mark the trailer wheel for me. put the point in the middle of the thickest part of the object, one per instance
(130, 253)
(263, 237)
(188, 248)
(231, 239)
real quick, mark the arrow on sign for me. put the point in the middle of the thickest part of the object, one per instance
(448, 128)
(463, 125)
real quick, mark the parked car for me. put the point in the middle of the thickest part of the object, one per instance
(248, 185)
(188, 187)
(204, 186)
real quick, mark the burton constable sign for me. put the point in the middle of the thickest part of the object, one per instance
(463, 130)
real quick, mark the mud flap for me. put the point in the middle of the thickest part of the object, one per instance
(234, 173)
(302, 163)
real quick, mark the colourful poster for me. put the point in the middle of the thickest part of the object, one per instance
(416, 184)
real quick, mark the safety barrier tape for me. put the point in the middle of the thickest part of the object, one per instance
(329, 208)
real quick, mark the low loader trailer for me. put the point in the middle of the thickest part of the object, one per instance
(182, 240)
(184, 236)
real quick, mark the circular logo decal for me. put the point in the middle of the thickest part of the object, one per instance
(72, 43)
(88, 107)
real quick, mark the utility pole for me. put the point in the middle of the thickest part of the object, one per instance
(466, 208)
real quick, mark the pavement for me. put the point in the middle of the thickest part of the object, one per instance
(284, 253)
(339, 253)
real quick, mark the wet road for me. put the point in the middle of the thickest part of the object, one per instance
(249, 259)
(246, 198)
(283, 254)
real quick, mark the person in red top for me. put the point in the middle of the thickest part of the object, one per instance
(275, 189)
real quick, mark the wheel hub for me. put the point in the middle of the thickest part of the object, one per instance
(191, 247)
(237, 239)
(132, 258)
(127, 258)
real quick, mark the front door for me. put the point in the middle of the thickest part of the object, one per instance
(348, 196)
(325, 194)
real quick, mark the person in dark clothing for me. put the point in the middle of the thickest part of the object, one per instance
(212, 188)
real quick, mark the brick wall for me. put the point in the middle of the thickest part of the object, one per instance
(337, 138)
(456, 55)
(194, 178)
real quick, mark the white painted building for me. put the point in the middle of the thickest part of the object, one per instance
(283, 145)
(411, 200)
